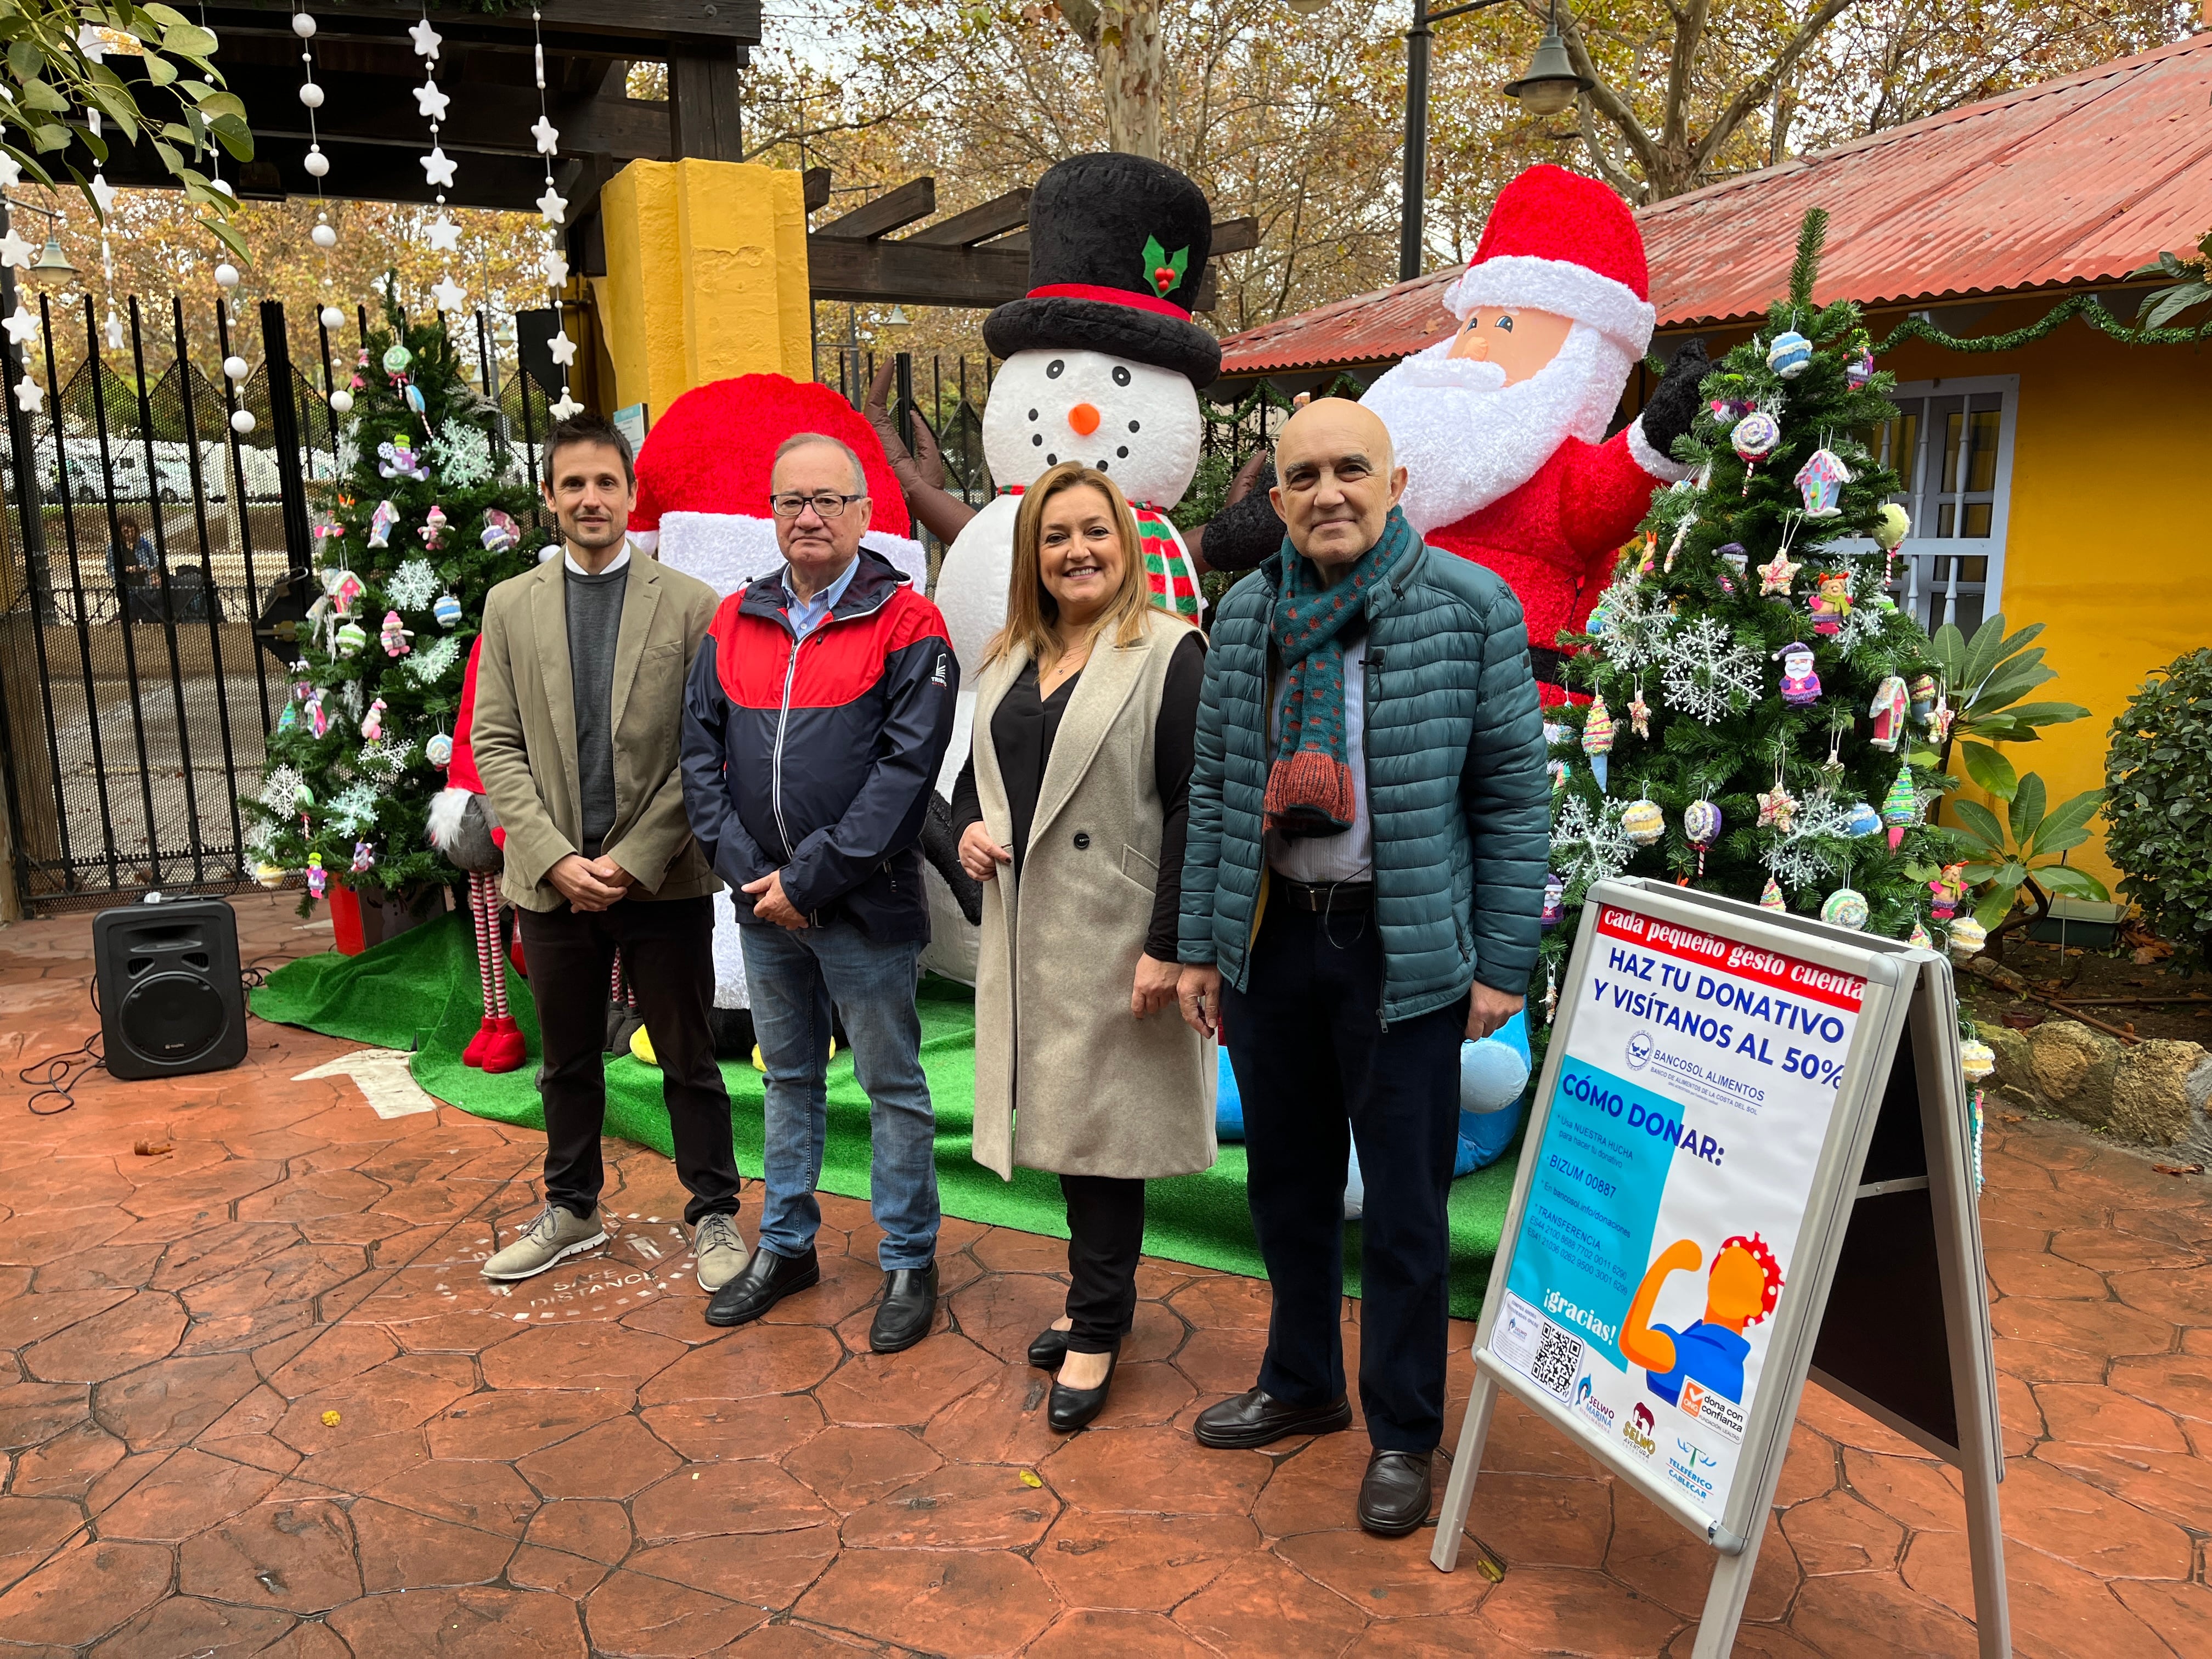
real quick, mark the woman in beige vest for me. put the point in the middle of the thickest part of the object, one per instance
(1072, 811)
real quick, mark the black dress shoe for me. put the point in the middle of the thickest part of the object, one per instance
(1394, 1497)
(1256, 1417)
(1047, 1348)
(1069, 1409)
(767, 1279)
(910, 1303)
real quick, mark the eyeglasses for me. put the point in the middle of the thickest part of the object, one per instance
(826, 505)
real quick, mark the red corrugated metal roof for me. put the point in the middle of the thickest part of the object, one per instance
(2071, 183)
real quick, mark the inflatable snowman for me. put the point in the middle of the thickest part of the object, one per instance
(703, 490)
(1101, 365)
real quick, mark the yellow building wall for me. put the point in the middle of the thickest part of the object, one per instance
(706, 277)
(2107, 535)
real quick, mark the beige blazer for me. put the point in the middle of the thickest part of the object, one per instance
(523, 730)
(1066, 1079)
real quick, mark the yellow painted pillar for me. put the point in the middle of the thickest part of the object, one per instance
(706, 277)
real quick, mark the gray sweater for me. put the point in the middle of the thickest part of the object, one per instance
(595, 608)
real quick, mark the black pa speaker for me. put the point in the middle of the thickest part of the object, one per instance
(170, 1002)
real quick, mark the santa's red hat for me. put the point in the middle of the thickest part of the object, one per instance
(703, 478)
(1557, 241)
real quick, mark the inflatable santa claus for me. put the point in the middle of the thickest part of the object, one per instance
(1501, 428)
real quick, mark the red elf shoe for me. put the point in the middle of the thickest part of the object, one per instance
(503, 1048)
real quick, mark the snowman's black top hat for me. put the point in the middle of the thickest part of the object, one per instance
(1118, 246)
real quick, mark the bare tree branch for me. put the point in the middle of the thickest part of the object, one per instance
(1761, 87)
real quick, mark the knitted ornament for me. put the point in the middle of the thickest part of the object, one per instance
(1977, 1059)
(1917, 938)
(1947, 892)
(270, 876)
(396, 634)
(350, 639)
(439, 751)
(397, 460)
(1555, 899)
(432, 531)
(317, 880)
(1844, 908)
(380, 523)
(1733, 555)
(1859, 370)
(1801, 685)
(501, 531)
(1899, 807)
(1924, 696)
(1597, 737)
(371, 723)
(1790, 354)
(1831, 603)
(1966, 936)
(446, 611)
(1887, 712)
(1753, 438)
(1701, 827)
(1864, 820)
(1892, 525)
(1770, 896)
(364, 857)
(1639, 713)
(1778, 573)
(1643, 821)
(1778, 807)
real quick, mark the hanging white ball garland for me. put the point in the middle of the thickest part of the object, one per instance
(342, 401)
(226, 275)
(317, 164)
(303, 25)
(332, 317)
(242, 422)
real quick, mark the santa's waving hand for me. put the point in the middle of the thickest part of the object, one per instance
(1501, 428)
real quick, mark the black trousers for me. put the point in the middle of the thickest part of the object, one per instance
(1105, 1236)
(1317, 1071)
(667, 948)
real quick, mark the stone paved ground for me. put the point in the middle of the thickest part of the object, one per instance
(257, 1402)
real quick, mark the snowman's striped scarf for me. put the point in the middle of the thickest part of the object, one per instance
(1168, 567)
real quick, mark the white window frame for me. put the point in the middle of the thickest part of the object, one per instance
(1930, 581)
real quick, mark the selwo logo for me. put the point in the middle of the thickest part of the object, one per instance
(1636, 1431)
(1590, 1406)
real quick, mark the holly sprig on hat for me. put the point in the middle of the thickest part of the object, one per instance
(1164, 269)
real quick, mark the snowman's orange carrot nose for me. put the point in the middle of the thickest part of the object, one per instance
(1083, 417)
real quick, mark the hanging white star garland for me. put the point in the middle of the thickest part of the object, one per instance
(432, 102)
(553, 208)
(22, 327)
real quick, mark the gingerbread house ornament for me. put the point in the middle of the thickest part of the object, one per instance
(1888, 712)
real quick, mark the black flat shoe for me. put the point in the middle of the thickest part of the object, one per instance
(1255, 1418)
(1069, 1409)
(1047, 1348)
(902, 1316)
(767, 1279)
(1394, 1497)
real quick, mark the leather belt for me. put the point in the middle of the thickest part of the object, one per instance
(1324, 898)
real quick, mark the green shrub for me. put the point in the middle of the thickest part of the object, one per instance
(2158, 774)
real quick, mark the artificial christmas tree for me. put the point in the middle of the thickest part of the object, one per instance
(1753, 642)
(429, 518)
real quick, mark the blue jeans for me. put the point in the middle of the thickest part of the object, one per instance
(793, 977)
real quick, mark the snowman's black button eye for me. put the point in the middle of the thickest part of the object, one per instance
(1053, 368)
(1101, 466)
(1052, 460)
(1123, 451)
(1033, 414)
(1038, 439)
(1121, 375)
(1133, 425)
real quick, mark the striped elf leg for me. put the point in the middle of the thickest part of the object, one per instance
(499, 1046)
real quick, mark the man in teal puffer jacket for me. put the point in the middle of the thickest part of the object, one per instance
(1370, 825)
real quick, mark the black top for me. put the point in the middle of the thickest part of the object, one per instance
(1022, 728)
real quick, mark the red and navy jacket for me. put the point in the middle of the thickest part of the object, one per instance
(818, 756)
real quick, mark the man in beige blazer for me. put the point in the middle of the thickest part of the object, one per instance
(577, 729)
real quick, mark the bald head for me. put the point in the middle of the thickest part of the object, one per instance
(1339, 480)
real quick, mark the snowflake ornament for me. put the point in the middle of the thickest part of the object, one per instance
(434, 662)
(1706, 674)
(353, 809)
(1587, 845)
(1816, 831)
(1638, 624)
(414, 586)
(463, 453)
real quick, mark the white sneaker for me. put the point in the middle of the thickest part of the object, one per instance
(555, 1234)
(721, 1249)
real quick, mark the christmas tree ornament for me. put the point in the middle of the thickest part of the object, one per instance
(1674, 547)
(1833, 766)
(1887, 712)
(1899, 807)
(313, 716)
(1597, 737)
(411, 395)
(1753, 438)
(1733, 555)
(1844, 908)
(1977, 1059)
(433, 532)
(1701, 827)
(1706, 674)
(317, 880)
(342, 402)
(446, 611)
(397, 460)
(303, 799)
(1639, 712)
(1892, 525)
(1924, 696)
(413, 587)
(288, 717)
(1778, 807)
(1831, 603)
(1801, 685)
(242, 422)
(439, 751)
(1551, 994)
(1965, 937)
(350, 639)
(1649, 564)
(501, 531)
(1947, 892)
(397, 358)
(371, 723)
(364, 857)
(1821, 481)
(1864, 820)
(1778, 573)
(1939, 723)
(1859, 370)
(269, 875)
(1770, 896)
(1917, 938)
(396, 634)
(1554, 735)
(381, 521)
(1555, 899)
(1643, 821)
(1790, 355)
(463, 453)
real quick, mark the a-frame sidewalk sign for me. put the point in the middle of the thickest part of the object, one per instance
(1750, 1160)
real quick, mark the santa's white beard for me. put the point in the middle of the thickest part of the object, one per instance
(1466, 438)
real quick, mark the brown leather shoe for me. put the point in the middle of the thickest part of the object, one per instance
(1394, 1497)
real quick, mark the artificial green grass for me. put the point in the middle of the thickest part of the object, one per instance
(420, 991)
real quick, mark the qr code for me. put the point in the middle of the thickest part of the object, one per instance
(1558, 1360)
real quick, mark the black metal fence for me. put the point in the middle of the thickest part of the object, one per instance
(154, 559)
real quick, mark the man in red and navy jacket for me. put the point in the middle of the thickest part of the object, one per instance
(817, 714)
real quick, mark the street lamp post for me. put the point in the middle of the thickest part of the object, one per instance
(1548, 85)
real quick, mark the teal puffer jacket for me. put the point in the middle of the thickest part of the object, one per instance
(1457, 792)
